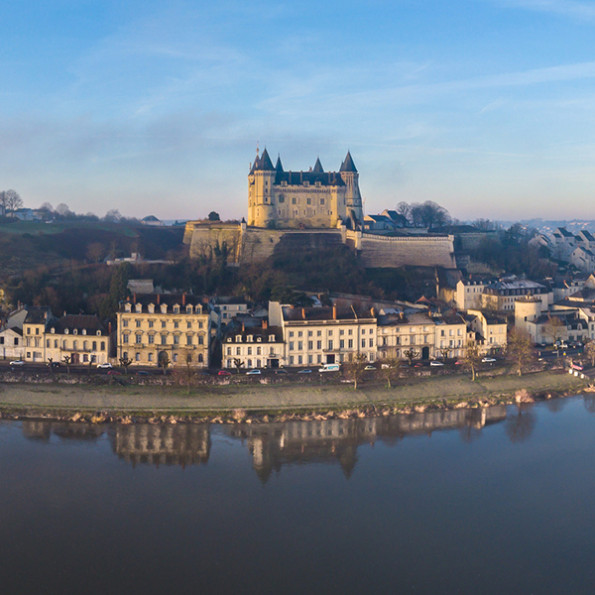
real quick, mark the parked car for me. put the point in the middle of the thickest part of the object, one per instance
(224, 373)
(280, 371)
(435, 362)
(255, 372)
(104, 366)
(142, 373)
(330, 368)
(54, 365)
(488, 360)
(17, 363)
(306, 371)
(370, 367)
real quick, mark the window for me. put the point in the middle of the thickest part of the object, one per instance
(188, 339)
(163, 339)
(124, 338)
(293, 201)
(151, 339)
(281, 198)
(188, 324)
(318, 344)
(176, 339)
(137, 323)
(163, 323)
(201, 340)
(94, 346)
(330, 344)
(47, 343)
(310, 345)
(150, 324)
(102, 345)
(309, 201)
(350, 343)
(150, 357)
(300, 345)
(176, 324)
(249, 351)
(124, 321)
(138, 339)
(36, 330)
(341, 344)
(137, 356)
(200, 358)
(363, 342)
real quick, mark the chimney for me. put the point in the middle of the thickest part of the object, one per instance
(334, 312)
(184, 299)
(372, 312)
(109, 329)
(243, 327)
(265, 323)
(304, 313)
(134, 298)
(158, 298)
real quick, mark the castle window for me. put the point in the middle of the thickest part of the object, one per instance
(322, 201)
(309, 201)
(293, 200)
(281, 198)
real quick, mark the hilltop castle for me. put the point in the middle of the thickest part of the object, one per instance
(313, 199)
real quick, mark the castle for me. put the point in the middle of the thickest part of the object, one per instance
(289, 210)
(311, 199)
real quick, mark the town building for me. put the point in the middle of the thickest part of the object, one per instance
(490, 330)
(77, 339)
(468, 294)
(500, 296)
(11, 343)
(253, 347)
(159, 329)
(34, 327)
(324, 335)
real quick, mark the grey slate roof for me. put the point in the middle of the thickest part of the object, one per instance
(348, 164)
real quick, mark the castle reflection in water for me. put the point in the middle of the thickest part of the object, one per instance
(271, 445)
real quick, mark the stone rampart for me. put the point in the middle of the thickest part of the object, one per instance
(246, 245)
(379, 251)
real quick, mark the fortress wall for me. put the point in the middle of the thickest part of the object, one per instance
(204, 237)
(255, 244)
(391, 252)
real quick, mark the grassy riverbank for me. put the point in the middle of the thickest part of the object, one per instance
(53, 400)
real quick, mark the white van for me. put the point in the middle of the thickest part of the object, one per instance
(329, 368)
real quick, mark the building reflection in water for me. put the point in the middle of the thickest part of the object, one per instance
(271, 445)
(167, 444)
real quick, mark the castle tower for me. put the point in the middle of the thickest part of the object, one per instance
(353, 199)
(260, 191)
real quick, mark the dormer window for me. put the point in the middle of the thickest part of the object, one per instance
(229, 339)
(75, 332)
(53, 330)
(258, 339)
(151, 308)
(84, 331)
(163, 308)
(198, 309)
(176, 309)
(189, 309)
(99, 333)
(128, 307)
(238, 338)
(138, 308)
(271, 338)
(250, 338)
(66, 331)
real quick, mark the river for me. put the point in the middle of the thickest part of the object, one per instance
(492, 501)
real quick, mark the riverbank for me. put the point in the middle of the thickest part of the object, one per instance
(274, 402)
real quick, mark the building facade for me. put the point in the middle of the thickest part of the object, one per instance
(163, 329)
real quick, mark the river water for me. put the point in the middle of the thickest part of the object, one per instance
(499, 501)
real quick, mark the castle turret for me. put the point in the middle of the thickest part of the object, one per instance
(260, 184)
(353, 199)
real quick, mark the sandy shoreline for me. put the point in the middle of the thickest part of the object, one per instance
(228, 403)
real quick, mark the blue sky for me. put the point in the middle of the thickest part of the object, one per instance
(484, 106)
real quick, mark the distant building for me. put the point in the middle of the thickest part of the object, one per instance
(253, 347)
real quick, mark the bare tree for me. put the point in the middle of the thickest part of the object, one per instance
(404, 209)
(388, 369)
(520, 349)
(354, 369)
(12, 201)
(95, 251)
(113, 216)
(472, 358)
(63, 210)
(410, 354)
(590, 351)
(554, 328)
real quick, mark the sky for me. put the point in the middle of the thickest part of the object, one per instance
(486, 107)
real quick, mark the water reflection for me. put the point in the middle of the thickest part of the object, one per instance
(273, 445)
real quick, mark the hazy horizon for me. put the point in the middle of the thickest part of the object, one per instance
(483, 106)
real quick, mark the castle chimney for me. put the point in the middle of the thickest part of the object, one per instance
(372, 313)
(243, 327)
(265, 323)
(184, 299)
(304, 313)
(158, 298)
(134, 298)
(109, 329)
(334, 312)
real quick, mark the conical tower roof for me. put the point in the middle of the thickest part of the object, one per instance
(348, 164)
(265, 162)
(279, 165)
(318, 167)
